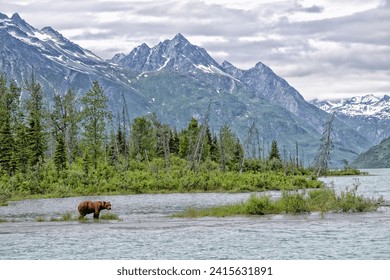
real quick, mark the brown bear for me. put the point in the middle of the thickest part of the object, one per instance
(88, 207)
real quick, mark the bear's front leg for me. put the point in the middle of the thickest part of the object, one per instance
(96, 215)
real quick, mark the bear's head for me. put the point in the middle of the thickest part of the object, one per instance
(107, 205)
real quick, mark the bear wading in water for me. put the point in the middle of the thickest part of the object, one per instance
(88, 207)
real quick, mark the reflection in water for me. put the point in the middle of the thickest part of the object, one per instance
(147, 232)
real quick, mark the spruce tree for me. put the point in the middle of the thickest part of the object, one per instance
(35, 123)
(9, 106)
(64, 117)
(274, 154)
(231, 150)
(60, 153)
(143, 138)
(174, 142)
(58, 123)
(94, 117)
(5, 130)
(71, 125)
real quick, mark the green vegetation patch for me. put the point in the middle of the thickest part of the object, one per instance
(110, 216)
(70, 217)
(292, 202)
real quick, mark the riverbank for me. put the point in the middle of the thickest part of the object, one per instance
(148, 231)
(151, 178)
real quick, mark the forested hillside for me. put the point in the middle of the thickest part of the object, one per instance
(376, 157)
(73, 147)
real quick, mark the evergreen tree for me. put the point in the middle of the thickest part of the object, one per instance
(94, 117)
(64, 119)
(121, 138)
(214, 151)
(174, 142)
(71, 126)
(60, 153)
(188, 139)
(274, 154)
(230, 148)
(59, 124)
(35, 121)
(239, 154)
(142, 138)
(165, 137)
(113, 148)
(16, 122)
(6, 138)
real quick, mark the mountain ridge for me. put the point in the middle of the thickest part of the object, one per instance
(377, 156)
(177, 81)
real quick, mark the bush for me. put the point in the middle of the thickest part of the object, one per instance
(259, 205)
(295, 202)
(322, 200)
(348, 201)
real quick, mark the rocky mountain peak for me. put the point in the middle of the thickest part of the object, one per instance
(169, 55)
(3, 16)
(16, 17)
(19, 22)
(179, 38)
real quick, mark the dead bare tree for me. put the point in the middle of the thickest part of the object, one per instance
(323, 157)
(197, 152)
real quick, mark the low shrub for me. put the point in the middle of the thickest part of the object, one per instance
(293, 202)
(322, 200)
(40, 219)
(109, 216)
(259, 205)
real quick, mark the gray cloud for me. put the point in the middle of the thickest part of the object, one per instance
(319, 48)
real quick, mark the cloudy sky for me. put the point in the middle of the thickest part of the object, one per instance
(323, 48)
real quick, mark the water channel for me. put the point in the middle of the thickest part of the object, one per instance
(146, 230)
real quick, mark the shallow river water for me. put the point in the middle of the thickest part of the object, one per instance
(146, 230)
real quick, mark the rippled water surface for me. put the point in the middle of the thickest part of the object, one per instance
(147, 231)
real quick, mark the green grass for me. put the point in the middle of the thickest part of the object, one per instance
(292, 202)
(345, 172)
(109, 216)
(68, 216)
(40, 219)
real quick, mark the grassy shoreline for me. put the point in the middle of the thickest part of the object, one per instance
(345, 172)
(108, 180)
(322, 200)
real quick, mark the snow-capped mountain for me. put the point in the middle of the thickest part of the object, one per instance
(176, 80)
(58, 63)
(369, 114)
(368, 106)
(177, 54)
(47, 43)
